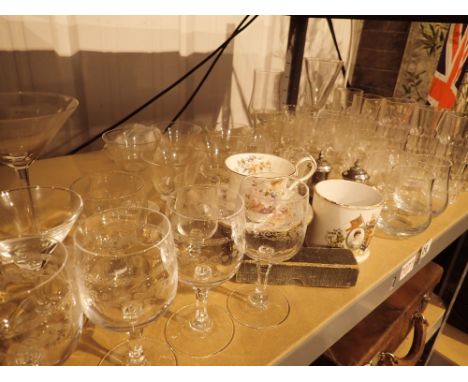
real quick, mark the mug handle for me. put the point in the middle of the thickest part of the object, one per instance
(313, 167)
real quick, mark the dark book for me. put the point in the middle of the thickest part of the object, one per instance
(312, 266)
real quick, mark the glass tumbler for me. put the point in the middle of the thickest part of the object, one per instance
(407, 209)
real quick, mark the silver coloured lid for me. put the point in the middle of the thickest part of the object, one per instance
(356, 173)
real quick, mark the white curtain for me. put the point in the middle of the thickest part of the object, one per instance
(112, 64)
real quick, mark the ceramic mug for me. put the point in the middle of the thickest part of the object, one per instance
(345, 216)
(245, 164)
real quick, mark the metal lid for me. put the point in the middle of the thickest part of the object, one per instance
(356, 173)
(322, 164)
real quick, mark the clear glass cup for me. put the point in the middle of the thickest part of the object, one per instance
(208, 226)
(407, 209)
(111, 189)
(40, 316)
(126, 145)
(265, 100)
(425, 119)
(421, 144)
(452, 126)
(437, 168)
(396, 112)
(126, 270)
(276, 210)
(321, 75)
(367, 105)
(343, 98)
(28, 122)
(458, 179)
(48, 211)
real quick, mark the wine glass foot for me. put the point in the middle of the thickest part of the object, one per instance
(156, 353)
(247, 314)
(185, 340)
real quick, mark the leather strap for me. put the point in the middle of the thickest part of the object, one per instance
(417, 347)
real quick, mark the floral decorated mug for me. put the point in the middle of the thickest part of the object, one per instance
(345, 215)
(245, 164)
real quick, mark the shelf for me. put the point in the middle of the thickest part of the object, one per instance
(319, 316)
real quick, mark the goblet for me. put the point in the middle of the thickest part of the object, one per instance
(220, 143)
(178, 153)
(276, 210)
(48, 211)
(127, 144)
(208, 226)
(126, 272)
(28, 122)
(40, 316)
(105, 190)
(321, 76)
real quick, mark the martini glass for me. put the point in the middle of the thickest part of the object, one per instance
(28, 122)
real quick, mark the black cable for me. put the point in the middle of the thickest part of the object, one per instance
(237, 31)
(332, 31)
(187, 103)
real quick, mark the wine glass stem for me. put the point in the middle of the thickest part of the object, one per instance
(259, 297)
(23, 174)
(136, 354)
(201, 322)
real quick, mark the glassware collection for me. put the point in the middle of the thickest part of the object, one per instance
(187, 202)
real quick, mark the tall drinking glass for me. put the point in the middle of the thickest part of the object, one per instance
(321, 76)
(276, 220)
(265, 100)
(208, 226)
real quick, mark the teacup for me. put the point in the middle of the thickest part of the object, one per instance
(345, 216)
(245, 164)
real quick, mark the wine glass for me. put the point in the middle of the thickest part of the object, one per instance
(266, 95)
(110, 189)
(28, 122)
(40, 316)
(276, 210)
(321, 75)
(127, 144)
(37, 210)
(126, 271)
(208, 226)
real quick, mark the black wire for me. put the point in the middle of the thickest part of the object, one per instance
(207, 74)
(237, 31)
(332, 31)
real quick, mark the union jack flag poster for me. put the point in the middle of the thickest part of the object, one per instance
(452, 64)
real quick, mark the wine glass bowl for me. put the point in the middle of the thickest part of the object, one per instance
(28, 122)
(48, 211)
(111, 189)
(127, 145)
(126, 272)
(40, 316)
